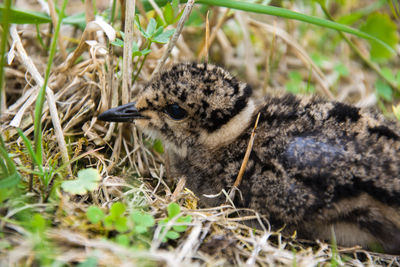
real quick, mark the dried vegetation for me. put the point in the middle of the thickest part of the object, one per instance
(87, 78)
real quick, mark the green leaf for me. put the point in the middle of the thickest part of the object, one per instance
(168, 13)
(158, 146)
(350, 18)
(173, 210)
(388, 74)
(158, 31)
(183, 219)
(143, 219)
(10, 180)
(137, 53)
(88, 180)
(172, 235)
(140, 229)
(151, 28)
(175, 6)
(89, 262)
(163, 38)
(342, 69)
(295, 76)
(19, 16)
(145, 51)
(186, 219)
(294, 84)
(382, 27)
(122, 240)
(383, 90)
(94, 214)
(78, 20)
(179, 228)
(108, 222)
(318, 59)
(38, 223)
(6, 193)
(398, 78)
(142, 31)
(118, 42)
(117, 209)
(120, 224)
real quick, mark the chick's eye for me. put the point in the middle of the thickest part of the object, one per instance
(175, 112)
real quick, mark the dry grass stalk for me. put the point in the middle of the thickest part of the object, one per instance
(317, 73)
(206, 45)
(175, 36)
(245, 160)
(49, 93)
(93, 26)
(89, 13)
(249, 58)
(128, 44)
(207, 37)
(269, 60)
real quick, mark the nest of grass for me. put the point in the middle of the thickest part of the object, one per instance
(88, 80)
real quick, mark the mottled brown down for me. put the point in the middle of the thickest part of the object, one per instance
(315, 165)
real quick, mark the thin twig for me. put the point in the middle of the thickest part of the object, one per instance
(245, 159)
(174, 39)
(157, 9)
(317, 73)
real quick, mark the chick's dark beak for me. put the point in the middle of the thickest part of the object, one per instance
(124, 113)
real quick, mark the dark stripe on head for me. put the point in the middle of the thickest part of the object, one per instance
(220, 117)
(383, 131)
(341, 112)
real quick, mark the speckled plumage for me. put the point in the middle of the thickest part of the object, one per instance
(314, 163)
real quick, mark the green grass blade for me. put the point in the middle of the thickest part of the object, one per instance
(10, 181)
(30, 149)
(280, 12)
(5, 22)
(19, 16)
(4, 158)
(9, 177)
(3, 153)
(42, 92)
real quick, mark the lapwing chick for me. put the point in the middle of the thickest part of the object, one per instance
(315, 165)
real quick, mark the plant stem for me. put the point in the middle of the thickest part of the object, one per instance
(141, 64)
(5, 23)
(370, 64)
(42, 91)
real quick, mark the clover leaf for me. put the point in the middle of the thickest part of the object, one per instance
(88, 180)
(94, 214)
